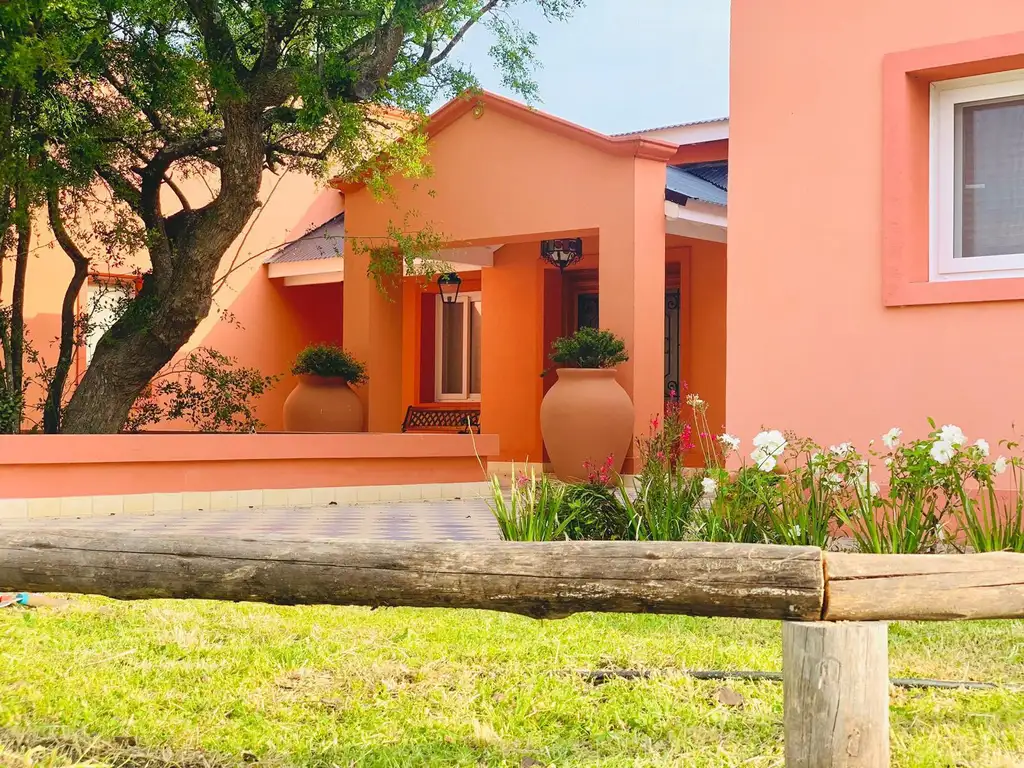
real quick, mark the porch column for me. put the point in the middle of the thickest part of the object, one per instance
(513, 354)
(631, 286)
(373, 333)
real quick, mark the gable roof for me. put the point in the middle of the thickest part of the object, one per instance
(625, 146)
(324, 242)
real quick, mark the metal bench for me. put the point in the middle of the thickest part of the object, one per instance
(457, 420)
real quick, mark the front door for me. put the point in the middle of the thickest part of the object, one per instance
(587, 317)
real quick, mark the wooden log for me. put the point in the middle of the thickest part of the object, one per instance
(546, 580)
(835, 689)
(923, 587)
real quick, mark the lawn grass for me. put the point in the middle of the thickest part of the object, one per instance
(323, 686)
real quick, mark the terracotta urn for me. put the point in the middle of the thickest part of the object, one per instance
(323, 404)
(586, 416)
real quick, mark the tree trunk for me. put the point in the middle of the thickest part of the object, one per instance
(17, 361)
(68, 321)
(165, 314)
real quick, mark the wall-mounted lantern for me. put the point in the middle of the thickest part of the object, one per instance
(445, 284)
(562, 253)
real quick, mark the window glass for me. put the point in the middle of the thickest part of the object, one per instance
(476, 320)
(452, 340)
(990, 177)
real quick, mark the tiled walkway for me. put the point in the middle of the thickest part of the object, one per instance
(400, 521)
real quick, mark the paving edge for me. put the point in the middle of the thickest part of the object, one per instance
(197, 501)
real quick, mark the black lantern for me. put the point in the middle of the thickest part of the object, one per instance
(444, 285)
(562, 253)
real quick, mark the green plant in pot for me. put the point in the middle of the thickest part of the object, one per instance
(586, 417)
(323, 400)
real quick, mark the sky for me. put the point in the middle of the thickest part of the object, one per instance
(623, 65)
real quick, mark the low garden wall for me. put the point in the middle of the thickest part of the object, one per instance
(223, 470)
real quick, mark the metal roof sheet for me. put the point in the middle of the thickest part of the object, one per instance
(697, 181)
(717, 172)
(675, 125)
(324, 242)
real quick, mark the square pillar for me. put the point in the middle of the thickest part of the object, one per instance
(373, 334)
(631, 287)
(513, 351)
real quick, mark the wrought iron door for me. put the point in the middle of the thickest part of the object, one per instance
(587, 312)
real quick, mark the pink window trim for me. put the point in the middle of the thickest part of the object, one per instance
(907, 76)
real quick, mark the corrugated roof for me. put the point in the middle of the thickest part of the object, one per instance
(698, 181)
(716, 171)
(324, 242)
(674, 125)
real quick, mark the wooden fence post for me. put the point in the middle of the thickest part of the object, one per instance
(836, 694)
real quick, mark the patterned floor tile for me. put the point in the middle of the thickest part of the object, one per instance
(400, 521)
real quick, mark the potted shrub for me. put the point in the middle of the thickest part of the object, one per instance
(586, 416)
(323, 401)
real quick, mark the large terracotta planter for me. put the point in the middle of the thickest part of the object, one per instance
(586, 416)
(323, 404)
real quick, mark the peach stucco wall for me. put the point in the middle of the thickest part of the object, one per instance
(504, 181)
(812, 347)
(291, 204)
(35, 466)
(702, 320)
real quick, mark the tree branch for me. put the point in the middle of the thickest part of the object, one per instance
(217, 39)
(185, 205)
(120, 186)
(470, 22)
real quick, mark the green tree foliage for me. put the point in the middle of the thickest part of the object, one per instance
(107, 104)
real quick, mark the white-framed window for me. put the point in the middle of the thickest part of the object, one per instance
(457, 348)
(106, 299)
(977, 177)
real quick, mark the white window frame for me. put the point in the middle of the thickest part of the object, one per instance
(465, 396)
(946, 240)
(110, 284)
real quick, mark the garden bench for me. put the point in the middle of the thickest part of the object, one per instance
(458, 420)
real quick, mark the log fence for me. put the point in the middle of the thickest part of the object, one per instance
(834, 606)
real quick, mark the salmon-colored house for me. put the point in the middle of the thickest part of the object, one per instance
(869, 178)
(650, 209)
(876, 238)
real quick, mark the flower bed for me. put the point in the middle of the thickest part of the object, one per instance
(935, 493)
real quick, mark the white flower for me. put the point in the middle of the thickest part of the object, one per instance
(887, 461)
(817, 463)
(942, 451)
(729, 442)
(873, 488)
(842, 449)
(892, 438)
(982, 446)
(763, 460)
(833, 481)
(796, 530)
(771, 442)
(709, 486)
(999, 465)
(694, 401)
(952, 434)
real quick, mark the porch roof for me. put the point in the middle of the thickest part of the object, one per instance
(706, 182)
(324, 242)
